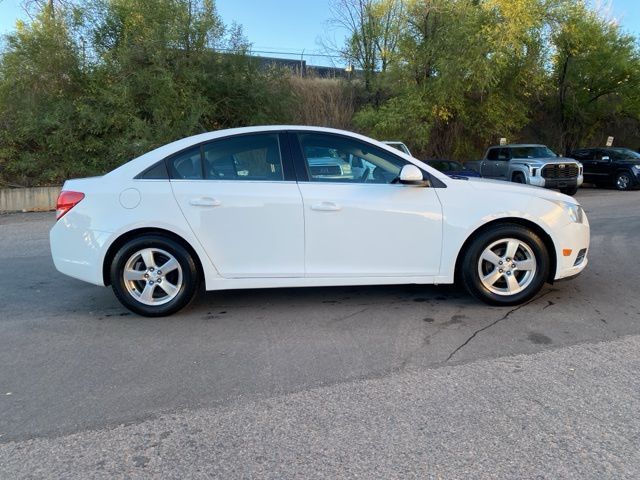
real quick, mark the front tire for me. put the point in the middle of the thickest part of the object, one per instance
(569, 190)
(623, 181)
(154, 276)
(506, 265)
(519, 178)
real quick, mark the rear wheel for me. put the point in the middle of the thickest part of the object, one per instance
(623, 181)
(154, 276)
(569, 190)
(506, 265)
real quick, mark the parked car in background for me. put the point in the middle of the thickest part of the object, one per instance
(609, 166)
(531, 164)
(275, 206)
(398, 146)
(452, 168)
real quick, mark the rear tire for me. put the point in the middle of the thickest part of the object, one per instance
(569, 190)
(522, 273)
(154, 276)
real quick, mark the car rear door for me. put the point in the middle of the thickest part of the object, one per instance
(242, 202)
(364, 225)
(587, 158)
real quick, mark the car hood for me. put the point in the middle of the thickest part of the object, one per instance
(544, 161)
(518, 188)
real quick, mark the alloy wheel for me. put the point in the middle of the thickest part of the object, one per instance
(507, 266)
(152, 276)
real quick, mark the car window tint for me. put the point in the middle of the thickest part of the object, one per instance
(246, 157)
(582, 154)
(332, 158)
(155, 172)
(186, 165)
(492, 154)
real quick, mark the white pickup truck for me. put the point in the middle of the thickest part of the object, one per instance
(532, 164)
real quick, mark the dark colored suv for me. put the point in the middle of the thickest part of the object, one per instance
(618, 167)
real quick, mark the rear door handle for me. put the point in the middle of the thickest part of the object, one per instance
(205, 202)
(326, 207)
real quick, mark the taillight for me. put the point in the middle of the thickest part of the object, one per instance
(66, 201)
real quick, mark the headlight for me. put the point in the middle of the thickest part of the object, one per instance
(637, 167)
(575, 212)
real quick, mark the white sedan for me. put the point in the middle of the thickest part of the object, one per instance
(264, 207)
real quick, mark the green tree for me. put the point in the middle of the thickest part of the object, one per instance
(596, 76)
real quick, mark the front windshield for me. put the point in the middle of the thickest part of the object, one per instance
(532, 152)
(625, 154)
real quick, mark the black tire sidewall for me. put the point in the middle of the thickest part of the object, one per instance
(190, 276)
(469, 265)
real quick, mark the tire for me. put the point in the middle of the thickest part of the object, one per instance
(480, 270)
(518, 178)
(623, 181)
(145, 288)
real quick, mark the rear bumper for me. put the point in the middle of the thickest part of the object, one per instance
(78, 251)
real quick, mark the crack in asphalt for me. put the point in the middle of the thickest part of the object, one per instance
(495, 322)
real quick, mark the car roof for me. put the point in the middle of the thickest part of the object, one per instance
(518, 145)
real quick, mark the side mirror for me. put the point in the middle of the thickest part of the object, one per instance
(412, 175)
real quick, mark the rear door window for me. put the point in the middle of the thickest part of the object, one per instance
(186, 165)
(246, 157)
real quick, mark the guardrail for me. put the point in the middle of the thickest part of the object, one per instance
(35, 199)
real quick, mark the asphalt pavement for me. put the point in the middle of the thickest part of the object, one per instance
(389, 381)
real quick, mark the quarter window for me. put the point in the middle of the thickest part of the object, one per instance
(246, 157)
(332, 158)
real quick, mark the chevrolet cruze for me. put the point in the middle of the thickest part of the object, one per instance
(291, 206)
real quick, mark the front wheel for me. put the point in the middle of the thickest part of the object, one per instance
(519, 178)
(623, 181)
(506, 265)
(569, 190)
(154, 276)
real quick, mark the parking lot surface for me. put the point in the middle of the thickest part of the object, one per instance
(387, 381)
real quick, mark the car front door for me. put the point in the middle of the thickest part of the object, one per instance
(240, 197)
(487, 167)
(364, 224)
(501, 165)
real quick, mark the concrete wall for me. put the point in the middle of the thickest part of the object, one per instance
(35, 199)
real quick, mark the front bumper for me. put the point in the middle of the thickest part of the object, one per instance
(539, 181)
(572, 249)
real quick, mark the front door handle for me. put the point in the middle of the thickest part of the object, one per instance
(205, 202)
(326, 207)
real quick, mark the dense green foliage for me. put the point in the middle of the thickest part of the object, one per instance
(85, 88)
(468, 72)
(82, 91)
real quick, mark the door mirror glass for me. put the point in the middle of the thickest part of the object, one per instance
(412, 175)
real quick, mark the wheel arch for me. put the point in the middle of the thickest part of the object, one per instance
(125, 237)
(541, 232)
